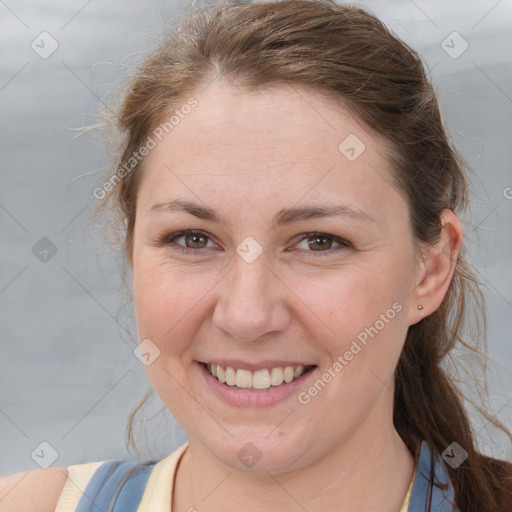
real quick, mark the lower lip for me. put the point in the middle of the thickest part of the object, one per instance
(246, 398)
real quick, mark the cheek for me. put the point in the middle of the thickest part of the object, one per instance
(167, 300)
(351, 300)
(164, 302)
(366, 321)
(363, 320)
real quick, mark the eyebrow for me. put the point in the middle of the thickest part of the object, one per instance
(281, 218)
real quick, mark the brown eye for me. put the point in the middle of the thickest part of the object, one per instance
(322, 244)
(195, 240)
(317, 243)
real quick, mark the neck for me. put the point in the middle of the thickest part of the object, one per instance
(369, 472)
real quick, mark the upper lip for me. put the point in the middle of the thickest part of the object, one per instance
(254, 366)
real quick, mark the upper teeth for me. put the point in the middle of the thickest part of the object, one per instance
(260, 379)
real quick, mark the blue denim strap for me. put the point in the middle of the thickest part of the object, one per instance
(432, 490)
(118, 486)
(115, 487)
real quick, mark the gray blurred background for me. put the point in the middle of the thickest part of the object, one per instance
(68, 376)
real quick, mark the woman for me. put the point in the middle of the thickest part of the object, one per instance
(289, 197)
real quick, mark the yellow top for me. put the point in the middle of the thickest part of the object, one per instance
(157, 493)
(405, 506)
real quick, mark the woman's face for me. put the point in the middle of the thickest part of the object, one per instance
(269, 281)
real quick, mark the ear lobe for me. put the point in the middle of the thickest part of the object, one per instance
(437, 268)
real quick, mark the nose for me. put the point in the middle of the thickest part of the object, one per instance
(251, 302)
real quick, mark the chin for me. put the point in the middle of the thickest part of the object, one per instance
(250, 451)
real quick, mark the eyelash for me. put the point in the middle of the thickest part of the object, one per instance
(167, 240)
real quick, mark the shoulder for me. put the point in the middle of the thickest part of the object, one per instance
(56, 489)
(37, 489)
(61, 489)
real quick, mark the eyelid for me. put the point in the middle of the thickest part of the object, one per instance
(343, 244)
(166, 240)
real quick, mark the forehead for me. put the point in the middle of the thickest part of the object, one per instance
(277, 144)
(287, 117)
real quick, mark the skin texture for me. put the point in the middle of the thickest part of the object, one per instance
(37, 490)
(248, 155)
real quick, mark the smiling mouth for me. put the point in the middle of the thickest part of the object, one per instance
(259, 380)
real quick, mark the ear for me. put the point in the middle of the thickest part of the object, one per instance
(436, 268)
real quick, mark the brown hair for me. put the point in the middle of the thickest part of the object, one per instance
(349, 55)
